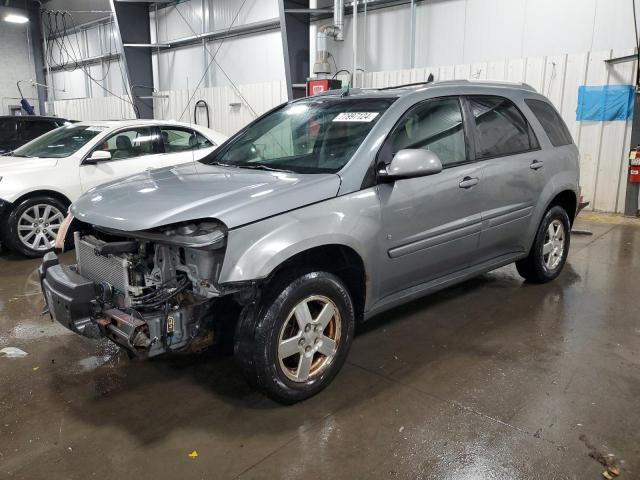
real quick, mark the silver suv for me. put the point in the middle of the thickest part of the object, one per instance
(323, 212)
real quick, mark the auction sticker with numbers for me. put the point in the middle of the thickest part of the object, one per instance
(356, 117)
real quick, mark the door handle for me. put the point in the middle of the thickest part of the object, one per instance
(468, 182)
(536, 164)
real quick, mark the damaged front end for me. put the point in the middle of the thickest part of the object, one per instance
(150, 292)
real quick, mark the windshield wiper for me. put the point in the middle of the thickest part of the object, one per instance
(264, 167)
(220, 164)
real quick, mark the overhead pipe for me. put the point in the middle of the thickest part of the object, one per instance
(335, 30)
(412, 49)
(338, 19)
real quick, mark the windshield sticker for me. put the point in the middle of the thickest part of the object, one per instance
(356, 117)
(96, 129)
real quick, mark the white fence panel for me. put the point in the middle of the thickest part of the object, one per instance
(230, 109)
(99, 108)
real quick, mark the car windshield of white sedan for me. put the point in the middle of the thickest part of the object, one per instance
(318, 135)
(59, 143)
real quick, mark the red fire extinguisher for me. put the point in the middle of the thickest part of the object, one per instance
(634, 165)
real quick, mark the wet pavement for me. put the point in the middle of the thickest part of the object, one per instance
(494, 378)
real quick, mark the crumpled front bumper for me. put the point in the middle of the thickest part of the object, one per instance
(69, 297)
(74, 301)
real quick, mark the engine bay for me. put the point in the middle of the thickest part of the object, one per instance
(151, 296)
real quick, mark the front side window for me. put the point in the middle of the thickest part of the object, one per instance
(553, 125)
(130, 143)
(59, 143)
(501, 129)
(434, 125)
(318, 135)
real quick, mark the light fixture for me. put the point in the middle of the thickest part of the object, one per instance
(15, 18)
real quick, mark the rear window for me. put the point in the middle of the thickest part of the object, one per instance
(501, 129)
(34, 128)
(551, 122)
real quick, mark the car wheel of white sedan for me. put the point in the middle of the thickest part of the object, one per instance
(33, 225)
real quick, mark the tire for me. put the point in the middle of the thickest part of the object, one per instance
(549, 252)
(281, 340)
(15, 233)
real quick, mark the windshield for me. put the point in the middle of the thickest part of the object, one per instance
(318, 135)
(58, 143)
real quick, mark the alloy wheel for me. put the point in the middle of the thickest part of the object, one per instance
(309, 338)
(38, 226)
(553, 247)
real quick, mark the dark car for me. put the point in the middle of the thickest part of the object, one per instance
(15, 131)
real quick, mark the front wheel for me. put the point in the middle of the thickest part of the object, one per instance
(298, 339)
(550, 248)
(33, 224)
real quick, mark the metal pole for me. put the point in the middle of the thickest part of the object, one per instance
(631, 196)
(205, 59)
(364, 42)
(46, 62)
(354, 74)
(412, 47)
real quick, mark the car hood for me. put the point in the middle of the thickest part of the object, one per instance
(12, 165)
(235, 196)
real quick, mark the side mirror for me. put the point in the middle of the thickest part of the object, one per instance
(97, 156)
(411, 163)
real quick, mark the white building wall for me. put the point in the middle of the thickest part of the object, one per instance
(468, 31)
(18, 65)
(109, 77)
(245, 59)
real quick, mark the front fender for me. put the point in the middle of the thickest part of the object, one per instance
(256, 250)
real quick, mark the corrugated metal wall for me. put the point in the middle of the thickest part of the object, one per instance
(227, 109)
(468, 31)
(102, 108)
(89, 42)
(245, 59)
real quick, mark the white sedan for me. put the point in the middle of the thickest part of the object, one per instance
(39, 180)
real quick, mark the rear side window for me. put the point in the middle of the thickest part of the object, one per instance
(551, 122)
(501, 129)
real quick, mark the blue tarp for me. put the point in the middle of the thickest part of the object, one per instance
(605, 102)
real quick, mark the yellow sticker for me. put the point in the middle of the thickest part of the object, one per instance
(193, 454)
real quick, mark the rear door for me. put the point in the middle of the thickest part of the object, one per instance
(133, 150)
(431, 224)
(513, 175)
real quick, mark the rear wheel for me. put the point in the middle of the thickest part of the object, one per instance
(550, 248)
(297, 341)
(33, 224)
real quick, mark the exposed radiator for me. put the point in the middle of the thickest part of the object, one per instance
(100, 268)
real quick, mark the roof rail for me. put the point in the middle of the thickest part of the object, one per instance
(429, 80)
(496, 83)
